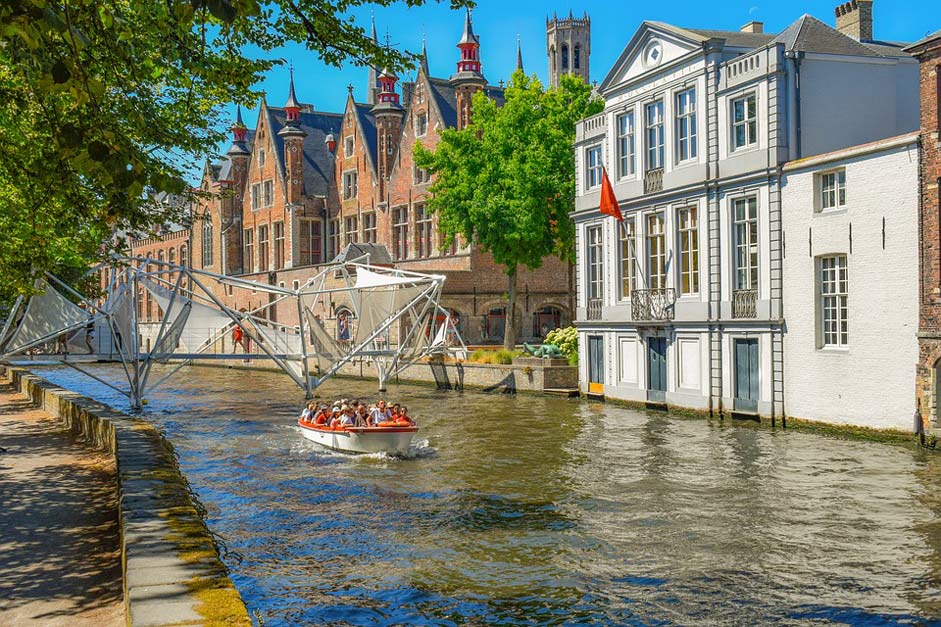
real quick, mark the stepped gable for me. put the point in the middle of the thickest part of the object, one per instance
(318, 160)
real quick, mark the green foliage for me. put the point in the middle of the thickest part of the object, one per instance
(502, 356)
(567, 340)
(506, 182)
(102, 103)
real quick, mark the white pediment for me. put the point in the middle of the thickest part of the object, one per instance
(650, 49)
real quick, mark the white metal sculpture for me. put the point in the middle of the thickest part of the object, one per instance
(395, 319)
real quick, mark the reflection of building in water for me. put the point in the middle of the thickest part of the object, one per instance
(300, 185)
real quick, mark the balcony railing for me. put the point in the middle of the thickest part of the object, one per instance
(653, 181)
(594, 309)
(653, 304)
(745, 304)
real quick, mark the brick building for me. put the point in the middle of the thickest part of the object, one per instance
(301, 185)
(928, 370)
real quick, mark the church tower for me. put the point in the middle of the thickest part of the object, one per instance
(468, 80)
(568, 46)
(293, 136)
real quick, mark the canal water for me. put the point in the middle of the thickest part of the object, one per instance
(521, 510)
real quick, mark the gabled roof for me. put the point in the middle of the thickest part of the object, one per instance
(808, 34)
(318, 160)
(733, 38)
(446, 98)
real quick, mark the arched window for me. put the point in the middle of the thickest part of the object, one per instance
(495, 323)
(552, 57)
(207, 243)
(344, 326)
(171, 255)
(184, 260)
(578, 57)
(546, 319)
(565, 57)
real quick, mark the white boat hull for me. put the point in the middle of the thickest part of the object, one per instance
(389, 440)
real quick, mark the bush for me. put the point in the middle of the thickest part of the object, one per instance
(502, 356)
(567, 341)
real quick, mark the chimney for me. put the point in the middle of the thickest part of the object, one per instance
(753, 27)
(854, 19)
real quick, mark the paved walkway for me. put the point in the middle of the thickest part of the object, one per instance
(60, 562)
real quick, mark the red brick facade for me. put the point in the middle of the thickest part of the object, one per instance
(928, 371)
(291, 194)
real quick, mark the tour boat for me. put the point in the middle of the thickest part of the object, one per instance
(390, 440)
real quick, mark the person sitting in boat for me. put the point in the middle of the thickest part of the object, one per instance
(380, 414)
(322, 416)
(362, 417)
(347, 417)
(403, 416)
(308, 414)
(335, 416)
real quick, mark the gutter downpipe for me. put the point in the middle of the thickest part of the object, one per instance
(796, 56)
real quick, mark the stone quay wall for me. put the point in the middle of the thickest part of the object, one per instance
(171, 567)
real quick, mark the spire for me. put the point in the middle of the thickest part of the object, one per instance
(424, 55)
(238, 134)
(519, 53)
(372, 80)
(292, 106)
(469, 37)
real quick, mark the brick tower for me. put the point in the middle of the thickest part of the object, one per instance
(239, 155)
(388, 113)
(568, 46)
(293, 136)
(468, 80)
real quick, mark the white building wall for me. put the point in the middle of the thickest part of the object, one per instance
(870, 382)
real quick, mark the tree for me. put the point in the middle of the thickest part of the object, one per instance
(506, 182)
(104, 102)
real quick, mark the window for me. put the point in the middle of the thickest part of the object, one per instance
(656, 252)
(390, 145)
(423, 231)
(351, 230)
(268, 192)
(628, 258)
(334, 238)
(565, 57)
(744, 122)
(370, 232)
(833, 190)
(688, 228)
(686, 125)
(184, 255)
(278, 245)
(171, 255)
(207, 243)
(263, 248)
(248, 250)
(595, 259)
(420, 92)
(349, 185)
(310, 241)
(654, 121)
(593, 167)
(578, 57)
(256, 196)
(746, 243)
(546, 319)
(833, 295)
(261, 157)
(625, 124)
(400, 232)
(348, 146)
(421, 124)
(420, 175)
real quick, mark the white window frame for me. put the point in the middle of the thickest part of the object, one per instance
(308, 235)
(350, 184)
(248, 250)
(400, 232)
(594, 263)
(421, 124)
(686, 125)
(654, 135)
(656, 239)
(833, 294)
(351, 229)
(370, 228)
(256, 196)
(262, 158)
(748, 124)
(267, 193)
(832, 190)
(626, 144)
(348, 146)
(424, 231)
(745, 242)
(627, 257)
(687, 231)
(593, 164)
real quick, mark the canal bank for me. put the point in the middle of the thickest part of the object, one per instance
(171, 570)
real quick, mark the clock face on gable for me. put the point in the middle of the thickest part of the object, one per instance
(653, 54)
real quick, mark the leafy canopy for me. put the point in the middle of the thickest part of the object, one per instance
(506, 182)
(103, 102)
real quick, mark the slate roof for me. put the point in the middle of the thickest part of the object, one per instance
(222, 169)
(808, 34)
(367, 122)
(924, 40)
(733, 38)
(446, 98)
(318, 160)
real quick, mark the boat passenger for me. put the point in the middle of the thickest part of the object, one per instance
(322, 416)
(403, 416)
(347, 419)
(362, 418)
(380, 414)
(308, 414)
(335, 417)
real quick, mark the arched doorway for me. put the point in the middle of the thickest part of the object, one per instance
(546, 319)
(495, 324)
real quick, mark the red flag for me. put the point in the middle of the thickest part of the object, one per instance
(609, 202)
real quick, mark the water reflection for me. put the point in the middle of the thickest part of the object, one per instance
(541, 511)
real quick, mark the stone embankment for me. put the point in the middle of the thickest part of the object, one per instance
(172, 572)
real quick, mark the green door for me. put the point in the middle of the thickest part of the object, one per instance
(746, 375)
(657, 369)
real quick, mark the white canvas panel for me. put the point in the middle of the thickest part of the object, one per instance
(47, 315)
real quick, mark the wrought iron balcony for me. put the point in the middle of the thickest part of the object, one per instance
(745, 304)
(653, 181)
(653, 304)
(594, 309)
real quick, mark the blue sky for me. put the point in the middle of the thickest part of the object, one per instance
(613, 23)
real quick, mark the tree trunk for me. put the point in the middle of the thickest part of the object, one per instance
(509, 327)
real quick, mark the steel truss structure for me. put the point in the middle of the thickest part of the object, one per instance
(395, 320)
